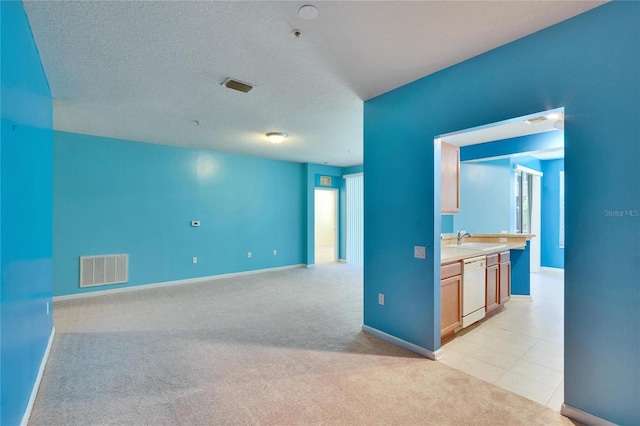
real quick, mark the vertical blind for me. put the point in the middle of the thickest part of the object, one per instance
(354, 210)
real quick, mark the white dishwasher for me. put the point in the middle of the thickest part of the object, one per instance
(473, 289)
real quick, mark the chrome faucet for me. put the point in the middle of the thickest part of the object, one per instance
(461, 234)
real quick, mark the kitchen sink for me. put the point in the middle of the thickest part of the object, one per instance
(478, 246)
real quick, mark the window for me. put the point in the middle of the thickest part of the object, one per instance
(523, 196)
(523, 209)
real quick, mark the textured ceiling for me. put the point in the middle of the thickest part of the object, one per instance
(147, 71)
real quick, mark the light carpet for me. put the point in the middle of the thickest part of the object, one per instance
(282, 348)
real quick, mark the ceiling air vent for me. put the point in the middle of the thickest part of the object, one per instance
(539, 119)
(238, 85)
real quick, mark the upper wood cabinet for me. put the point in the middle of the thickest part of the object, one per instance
(449, 178)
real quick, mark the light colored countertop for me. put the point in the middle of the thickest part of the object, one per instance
(503, 242)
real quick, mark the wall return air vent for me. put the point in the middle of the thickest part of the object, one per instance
(103, 270)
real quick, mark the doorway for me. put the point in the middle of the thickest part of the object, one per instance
(520, 348)
(326, 225)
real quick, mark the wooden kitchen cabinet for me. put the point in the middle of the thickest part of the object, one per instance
(450, 299)
(449, 178)
(492, 301)
(505, 277)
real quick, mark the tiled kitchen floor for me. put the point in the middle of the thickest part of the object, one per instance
(520, 349)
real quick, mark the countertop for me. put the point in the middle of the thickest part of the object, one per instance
(452, 254)
(506, 241)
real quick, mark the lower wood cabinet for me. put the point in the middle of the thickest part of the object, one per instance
(492, 301)
(505, 277)
(497, 291)
(450, 299)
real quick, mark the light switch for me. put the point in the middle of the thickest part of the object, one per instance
(420, 252)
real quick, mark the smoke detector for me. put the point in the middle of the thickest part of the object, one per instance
(308, 12)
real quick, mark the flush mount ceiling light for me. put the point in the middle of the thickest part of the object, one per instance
(241, 86)
(276, 137)
(308, 12)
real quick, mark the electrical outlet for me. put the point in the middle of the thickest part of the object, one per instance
(194, 260)
(249, 254)
(275, 252)
(380, 299)
(420, 252)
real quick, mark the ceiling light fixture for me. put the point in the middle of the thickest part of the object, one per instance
(554, 116)
(276, 137)
(308, 12)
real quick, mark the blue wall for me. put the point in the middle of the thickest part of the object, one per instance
(25, 231)
(116, 196)
(485, 195)
(353, 169)
(447, 224)
(552, 255)
(521, 271)
(526, 161)
(588, 65)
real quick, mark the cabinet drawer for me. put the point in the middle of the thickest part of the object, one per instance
(492, 259)
(450, 270)
(505, 256)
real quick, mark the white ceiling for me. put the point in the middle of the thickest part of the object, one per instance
(147, 71)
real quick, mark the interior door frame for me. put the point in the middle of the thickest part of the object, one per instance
(336, 218)
(536, 224)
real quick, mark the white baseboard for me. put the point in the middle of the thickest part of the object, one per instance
(403, 343)
(521, 298)
(172, 283)
(36, 384)
(583, 416)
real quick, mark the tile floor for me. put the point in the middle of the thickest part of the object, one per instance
(520, 349)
